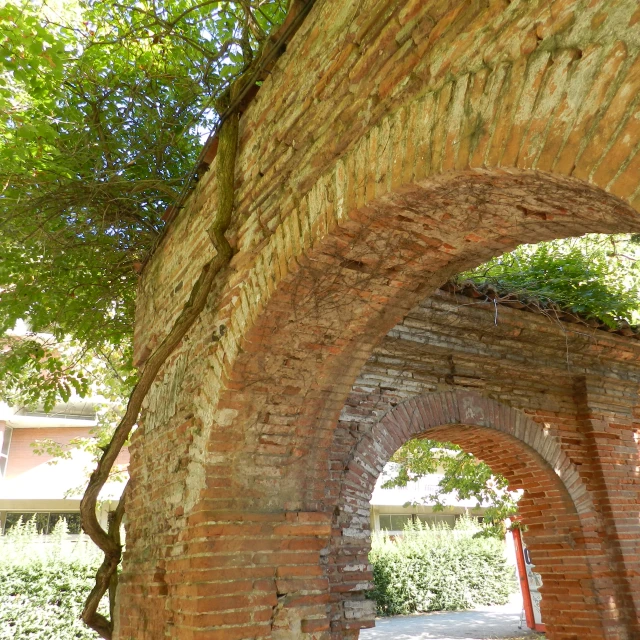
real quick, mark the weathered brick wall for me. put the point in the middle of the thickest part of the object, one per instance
(522, 381)
(395, 143)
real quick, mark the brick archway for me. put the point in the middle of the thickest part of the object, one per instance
(555, 506)
(393, 144)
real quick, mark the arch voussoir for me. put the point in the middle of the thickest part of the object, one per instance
(417, 416)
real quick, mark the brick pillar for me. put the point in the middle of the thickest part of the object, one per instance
(609, 419)
(234, 575)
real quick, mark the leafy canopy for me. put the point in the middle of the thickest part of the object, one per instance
(595, 276)
(103, 105)
(463, 476)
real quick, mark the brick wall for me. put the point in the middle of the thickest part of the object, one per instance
(507, 375)
(395, 143)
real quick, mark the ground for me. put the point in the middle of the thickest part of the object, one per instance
(484, 623)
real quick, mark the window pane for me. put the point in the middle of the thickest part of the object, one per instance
(438, 519)
(6, 440)
(450, 520)
(394, 521)
(398, 522)
(42, 520)
(12, 519)
(72, 518)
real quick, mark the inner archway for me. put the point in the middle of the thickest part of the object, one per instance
(563, 527)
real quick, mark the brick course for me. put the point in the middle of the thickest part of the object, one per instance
(394, 144)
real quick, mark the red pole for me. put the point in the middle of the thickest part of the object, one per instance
(524, 583)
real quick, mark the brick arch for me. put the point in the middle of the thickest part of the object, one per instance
(450, 176)
(555, 506)
(406, 142)
(366, 272)
(518, 137)
(421, 415)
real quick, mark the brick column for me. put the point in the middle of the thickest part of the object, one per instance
(609, 419)
(237, 575)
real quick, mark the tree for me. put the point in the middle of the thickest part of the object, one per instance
(103, 106)
(463, 475)
(105, 153)
(594, 276)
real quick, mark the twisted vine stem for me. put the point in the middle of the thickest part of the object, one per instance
(208, 280)
(109, 541)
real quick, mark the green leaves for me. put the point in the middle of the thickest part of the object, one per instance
(102, 110)
(595, 276)
(42, 591)
(39, 371)
(33, 372)
(463, 476)
(436, 570)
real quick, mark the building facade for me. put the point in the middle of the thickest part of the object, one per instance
(40, 486)
(393, 508)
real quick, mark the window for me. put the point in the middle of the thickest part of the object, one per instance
(65, 410)
(45, 522)
(394, 522)
(398, 521)
(4, 449)
(73, 521)
(438, 519)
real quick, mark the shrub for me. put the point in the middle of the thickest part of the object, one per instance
(435, 569)
(43, 584)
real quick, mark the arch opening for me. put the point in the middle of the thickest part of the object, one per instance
(562, 524)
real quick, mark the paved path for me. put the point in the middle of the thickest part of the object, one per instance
(481, 624)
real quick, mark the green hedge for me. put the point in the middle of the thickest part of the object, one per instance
(435, 569)
(43, 585)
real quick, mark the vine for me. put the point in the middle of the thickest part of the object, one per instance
(210, 279)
